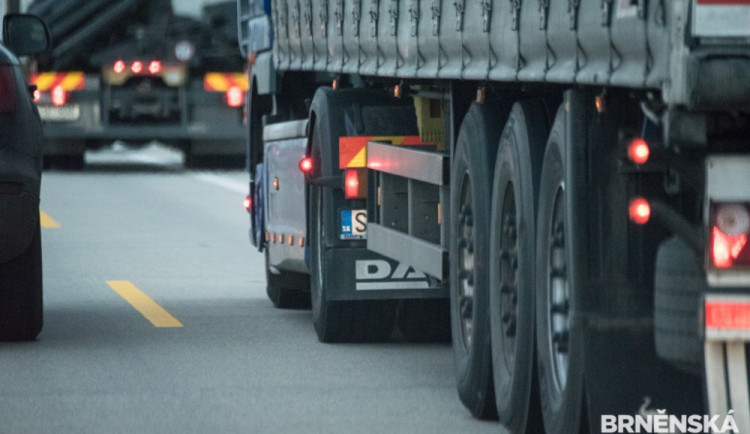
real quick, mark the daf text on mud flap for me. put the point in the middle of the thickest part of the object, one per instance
(375, 274)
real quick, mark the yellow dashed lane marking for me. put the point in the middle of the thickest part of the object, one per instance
(47, 222)
(144, 304)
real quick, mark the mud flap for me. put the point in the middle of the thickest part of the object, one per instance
(364, 275)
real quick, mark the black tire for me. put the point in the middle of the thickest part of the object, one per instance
(341, 321)
(471, 183)
(512, 229)
(559, 351)
(424, 320)
(21, 294)
(678, 286)
(287, 289)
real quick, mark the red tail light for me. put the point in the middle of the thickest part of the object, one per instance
(137, 67)
(248, 203)
(355, 183)
(59, 96)
(729, 235)
(37, 95)
(119, 67)
(234, 96)
(351, 184)
(639, 210)
(638, 151)
(7, 90)
(154, 67)
(725, 249)
(306, 165)
(727, 315)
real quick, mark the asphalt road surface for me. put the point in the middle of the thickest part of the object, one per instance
(156, 321)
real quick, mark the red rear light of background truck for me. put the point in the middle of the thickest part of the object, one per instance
(59, 96)
(729, 233)
(234, 96)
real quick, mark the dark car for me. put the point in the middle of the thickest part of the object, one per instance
(21, 144)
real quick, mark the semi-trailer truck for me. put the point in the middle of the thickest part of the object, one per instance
(571, 178)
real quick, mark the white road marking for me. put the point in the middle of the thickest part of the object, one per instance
(223, 182)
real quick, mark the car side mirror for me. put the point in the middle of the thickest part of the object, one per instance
(25, 34)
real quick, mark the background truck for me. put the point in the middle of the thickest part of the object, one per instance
(578, 190)
(132, 70)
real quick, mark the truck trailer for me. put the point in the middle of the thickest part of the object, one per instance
(570, 179)
(133, 70)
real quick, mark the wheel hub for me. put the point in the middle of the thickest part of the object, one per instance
(466, 265)
(558, 302)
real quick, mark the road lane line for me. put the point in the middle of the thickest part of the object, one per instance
(47, 222)
(232, 185)
(144, 304)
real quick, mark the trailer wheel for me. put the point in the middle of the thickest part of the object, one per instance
(287, 289)
(471, 183)
(512, 229)
(341, 321)
(559, 338)
(21, 294)
(678, 284)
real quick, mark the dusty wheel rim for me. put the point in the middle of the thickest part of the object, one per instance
(558, 292)
(508, 246)
(465, 262)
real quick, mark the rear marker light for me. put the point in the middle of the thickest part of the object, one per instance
(638, 151)
(248, 203)
(58, 96)
(119, 67)
(136, 67)
(640, 211)
(154, 67)
(234, 96)
(306, 165)
(37, 95)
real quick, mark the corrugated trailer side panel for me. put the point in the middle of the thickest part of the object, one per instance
(587, 42)
(351, 32)
(475, 37)
(563, 47)
(504, 41)
(451, 48)
(281, 39)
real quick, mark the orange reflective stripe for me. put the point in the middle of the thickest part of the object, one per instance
(72, 81)
(353, 149)
(44, 80)
(223, 81)
(68, 80)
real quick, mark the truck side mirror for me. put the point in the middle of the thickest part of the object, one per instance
(25, 34)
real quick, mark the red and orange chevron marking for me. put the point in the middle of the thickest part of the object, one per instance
(353, 149)
(223, 81)
(73, 80)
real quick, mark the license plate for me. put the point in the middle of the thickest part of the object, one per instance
(65, 113)
(353, 224)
